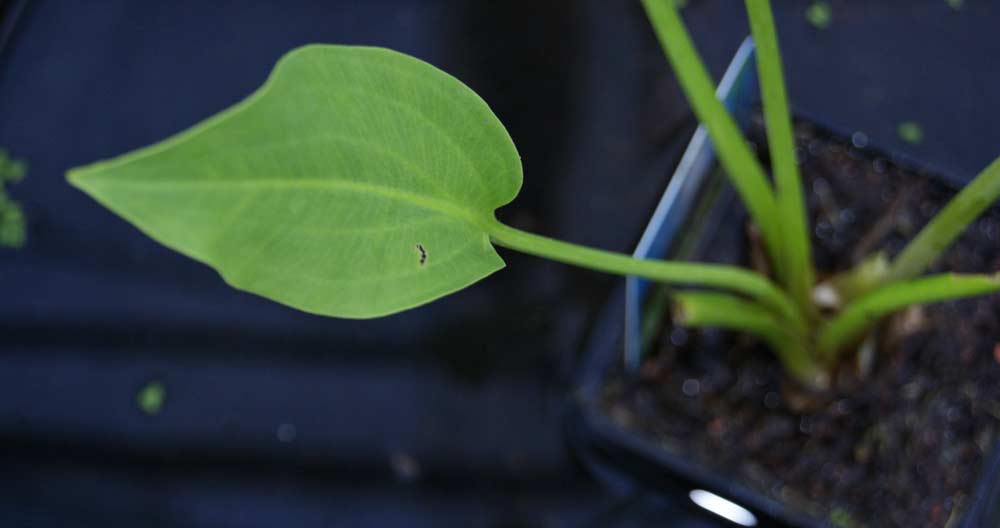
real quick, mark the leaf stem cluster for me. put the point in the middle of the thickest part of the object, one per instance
(809, 326)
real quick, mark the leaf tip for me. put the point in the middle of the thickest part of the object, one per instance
(77, 177)
(87, 179)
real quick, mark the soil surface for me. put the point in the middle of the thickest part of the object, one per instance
(903, 448)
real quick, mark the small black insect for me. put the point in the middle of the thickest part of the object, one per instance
(423, 254)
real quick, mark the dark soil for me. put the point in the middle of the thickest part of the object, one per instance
(903, 448)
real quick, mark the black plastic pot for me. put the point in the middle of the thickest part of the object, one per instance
(693, 205)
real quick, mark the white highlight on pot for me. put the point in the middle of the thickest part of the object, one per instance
(723, 508)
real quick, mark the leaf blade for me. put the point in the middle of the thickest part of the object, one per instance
(268, 192)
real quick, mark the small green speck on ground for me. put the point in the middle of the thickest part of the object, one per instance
(150, 397)
(841, 518)
(911, 132)
(13, 227)
(955, 4)
(820, 15)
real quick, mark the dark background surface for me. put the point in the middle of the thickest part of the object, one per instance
(444, 416)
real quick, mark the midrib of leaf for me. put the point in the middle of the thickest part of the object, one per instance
(416, 170)
(343, 231)
(438, 260)
(319, 137)
(298, 184)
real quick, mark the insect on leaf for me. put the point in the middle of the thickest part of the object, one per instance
(356, 182)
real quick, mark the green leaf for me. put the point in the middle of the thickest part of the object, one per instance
(357, 182)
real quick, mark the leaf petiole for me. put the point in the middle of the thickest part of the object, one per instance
(730, 278)
(797, 267)
(742, 167)
(862, 314)
(950, 222)
(717, 309)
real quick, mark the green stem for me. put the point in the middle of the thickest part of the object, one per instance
(859, 316)
(942, 230)
(744, 170)
(678, 273)
(797, 266)
(716, 309)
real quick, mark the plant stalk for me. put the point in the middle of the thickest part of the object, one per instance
(720, 276)
(744, 170)
(796, 268)
(945, 227)
(717, 309)
(859, 316)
